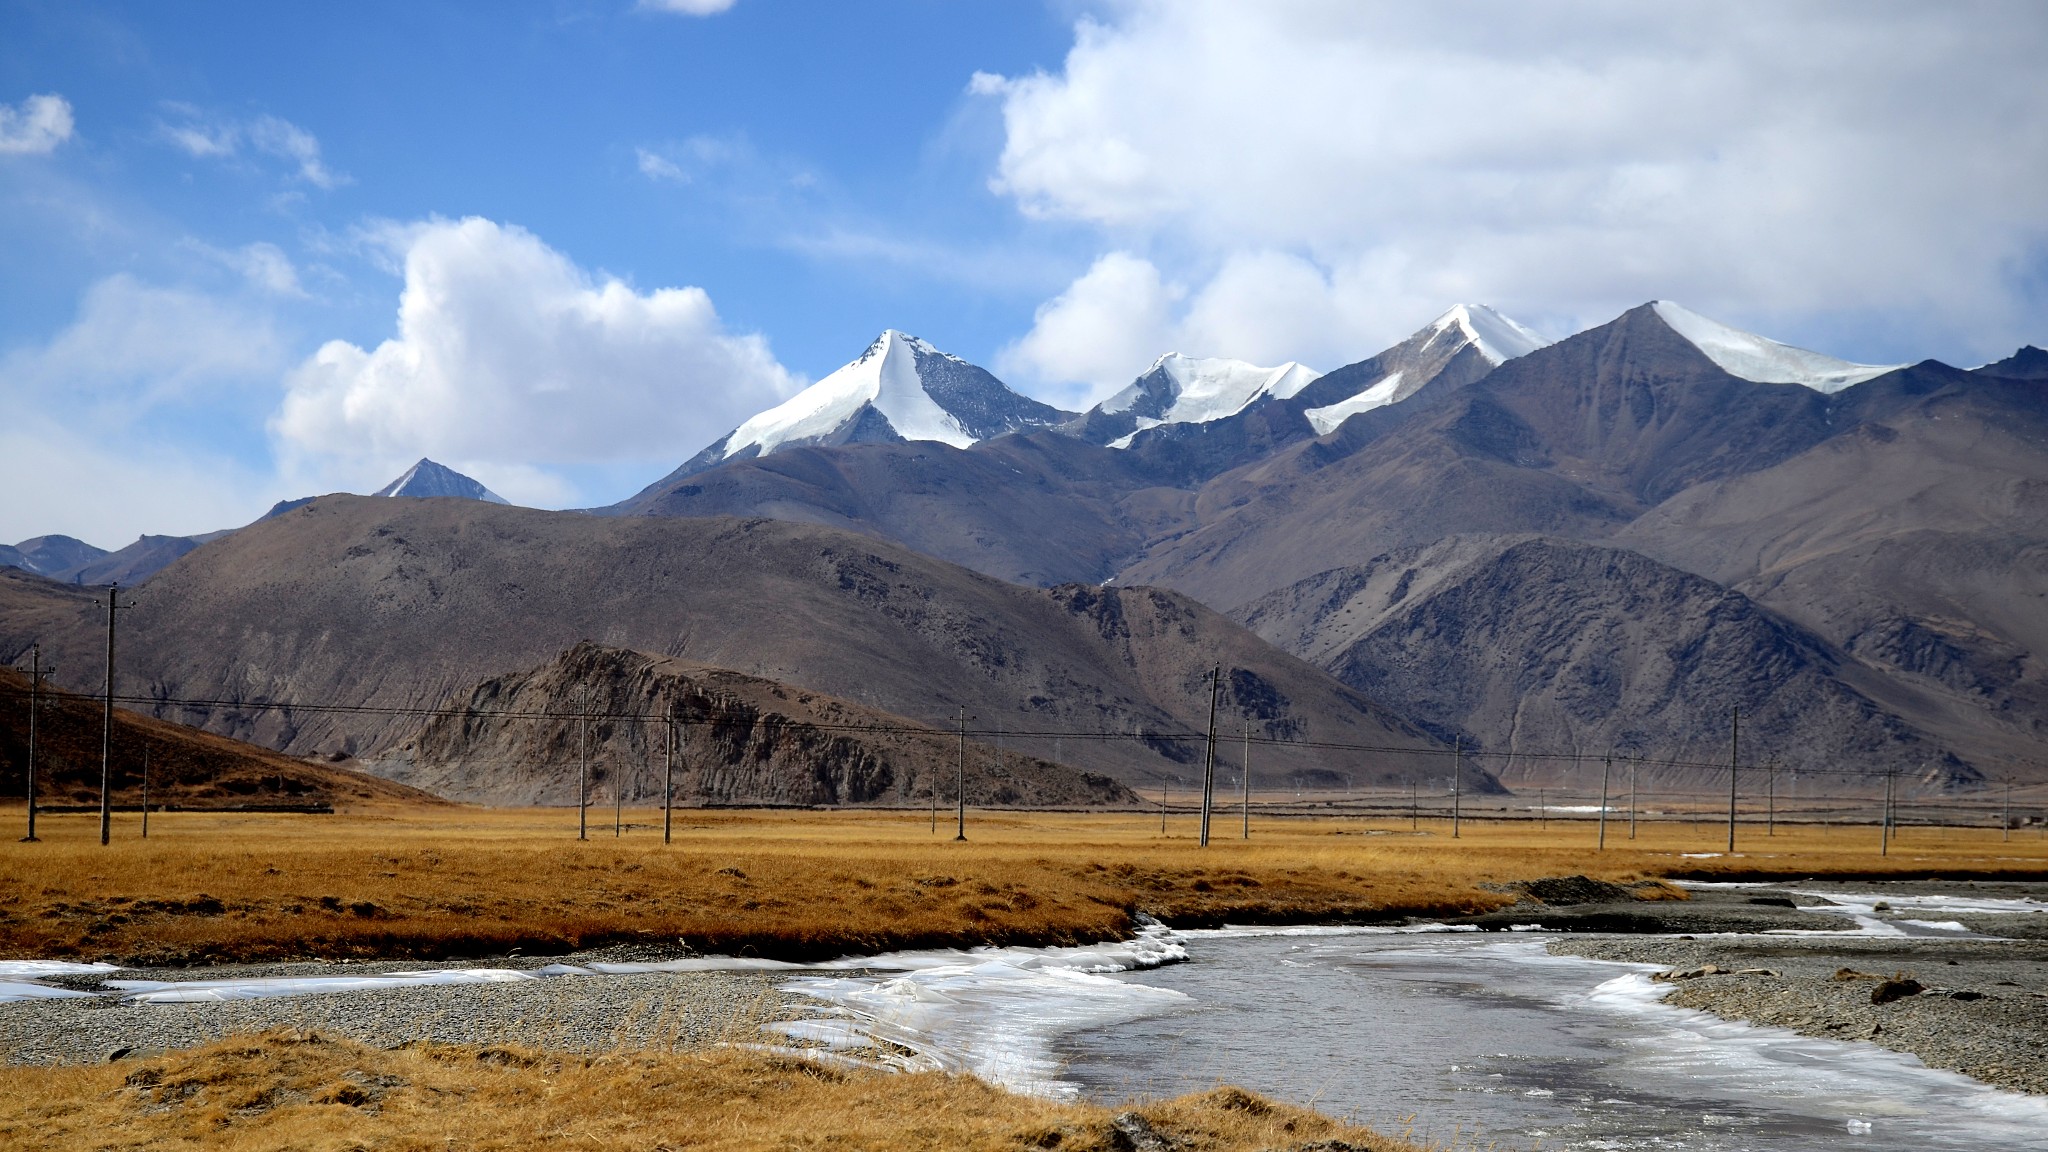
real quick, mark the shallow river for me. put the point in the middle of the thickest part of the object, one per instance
(1454, 1036)
(1494, 1038)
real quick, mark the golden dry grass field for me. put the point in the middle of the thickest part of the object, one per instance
(288, 1090)
(447, 882)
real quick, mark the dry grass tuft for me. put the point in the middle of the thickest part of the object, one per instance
(301, 1091)
(454, 882)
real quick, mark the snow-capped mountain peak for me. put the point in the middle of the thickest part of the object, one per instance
(1408, 367)
(1497, 337)
(900, 388)
(884, 378)
(1761, 359)
(427, 478)
(1181, 389)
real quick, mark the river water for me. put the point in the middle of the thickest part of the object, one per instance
(1481, 1039)
(1494, 1039)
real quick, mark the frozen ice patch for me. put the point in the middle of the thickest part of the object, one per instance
(257, 988)
(993, 1012)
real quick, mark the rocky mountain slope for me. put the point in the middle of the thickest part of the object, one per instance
(187, 767)
(739, 740)
(76, 562)
(1568, 647)
(1888, 513)
(364, 602)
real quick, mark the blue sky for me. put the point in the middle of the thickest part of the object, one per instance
(256, 251)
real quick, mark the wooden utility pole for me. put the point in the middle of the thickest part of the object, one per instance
(1414, 805)
(1633, 764)
(1734, 748)
(107, 722)
(1542, 811)
(618, 803)
(145, 791)
(962, 833)
(2004, 815)
(1209, 763)
(583, 769)
(36, 671)
(1247, 777)
(1884, 835)
(1606, 770)
(1771, 796)
(668, 776)
(1457, 764)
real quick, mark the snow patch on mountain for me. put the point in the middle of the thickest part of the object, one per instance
(885, 376)
(1185, 390)
(427, 478)
(1763, 360)
(1498, 338)
(1325, 420)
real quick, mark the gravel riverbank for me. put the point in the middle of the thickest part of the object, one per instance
(1982, 1007)
(564, 1013)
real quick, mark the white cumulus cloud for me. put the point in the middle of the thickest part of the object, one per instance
(1098, 334)
(511, 360)
(1325, 166)
(35, 126)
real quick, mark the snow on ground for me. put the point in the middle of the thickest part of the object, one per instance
(1763, 360)
(1381, 393)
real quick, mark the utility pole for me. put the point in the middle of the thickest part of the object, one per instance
(583, 769)
(1414, 805)
(1734, 748)
(1884, 836)
(1247, 777)
(1457, 764)
(1542, 811)
(618, 805)
(1606, 770)
(962, 834)
(1633, 764)
(668, 775)
(145, 791)
(107, 723)
(1771, 796)
(1209, 764)
(2004, 815)
(36, 671)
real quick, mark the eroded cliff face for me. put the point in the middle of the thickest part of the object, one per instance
(740, 740)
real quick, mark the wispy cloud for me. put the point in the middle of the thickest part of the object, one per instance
(209, 137)
(692, 159)
(686, 7)
(36, 126)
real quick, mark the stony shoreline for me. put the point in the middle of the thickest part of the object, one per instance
(1982, 1009)
(662, 1010)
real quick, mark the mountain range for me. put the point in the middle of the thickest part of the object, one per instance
(1847, 552)
(1541, 551)
(73, 561)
